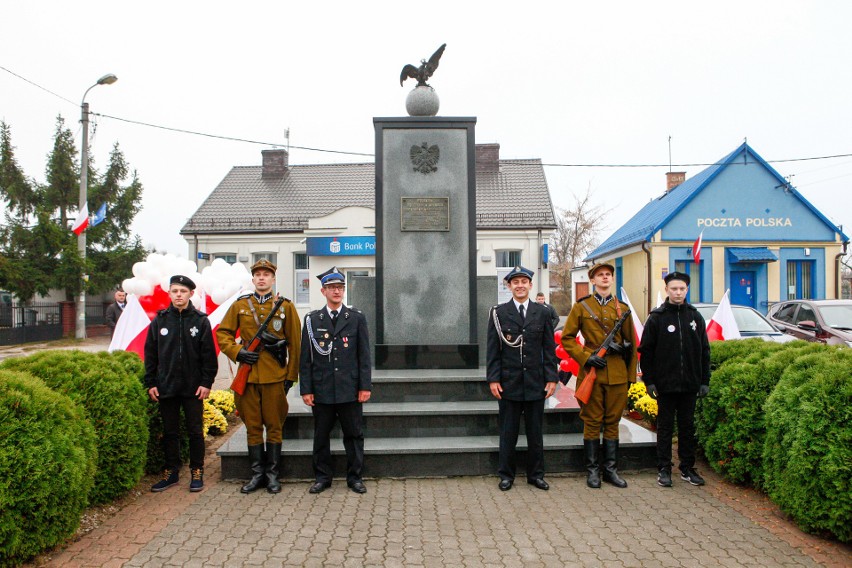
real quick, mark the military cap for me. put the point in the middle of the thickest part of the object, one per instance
(598, 266)
(264, 264)
(518, 271)
(182, 281)
(332, 276)
(676, 276)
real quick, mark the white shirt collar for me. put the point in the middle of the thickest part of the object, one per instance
(525, 304)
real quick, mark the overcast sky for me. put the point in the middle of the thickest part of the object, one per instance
(567, 82)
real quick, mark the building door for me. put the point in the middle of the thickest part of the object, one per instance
(742, 287)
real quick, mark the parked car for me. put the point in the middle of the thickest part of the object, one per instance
(750, 322)
(825, 321)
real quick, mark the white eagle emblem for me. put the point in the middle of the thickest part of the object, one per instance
(193, 331)
(425, 158)
(693, 325)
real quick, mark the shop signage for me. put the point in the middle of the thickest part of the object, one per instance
(745, 222)
(340, 246)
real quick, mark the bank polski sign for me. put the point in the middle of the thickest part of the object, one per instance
(340, 246)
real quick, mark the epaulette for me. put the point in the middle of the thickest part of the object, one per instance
(583, 298)
(246, 295)
(355, 310)
(286, 299)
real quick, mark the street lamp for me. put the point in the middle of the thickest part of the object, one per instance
(107, 79)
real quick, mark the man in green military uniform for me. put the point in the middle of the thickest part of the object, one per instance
(594, 316)
(274, 369)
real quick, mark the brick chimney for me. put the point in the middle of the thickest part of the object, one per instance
(674, 179)
(275, 163)
(487, 158)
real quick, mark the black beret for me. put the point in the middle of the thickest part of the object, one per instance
(182, 280)
(676, 276)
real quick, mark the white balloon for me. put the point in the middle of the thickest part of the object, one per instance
(137, 268)
(190, 267)
(143, 287)
(219, 263)
(129, 285)
(220, 294)
(164, 283)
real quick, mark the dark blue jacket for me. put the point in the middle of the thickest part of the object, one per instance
(522, 377)
(336, 377)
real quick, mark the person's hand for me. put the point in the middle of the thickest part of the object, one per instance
(549, 388)
(364, 396)
(496, 389)
(308, 399)
(652, 391)
(202, 393)
(596, 361)
(248, 357)
(703, 391)
(287, 386)
(154, 394)
(268, 339)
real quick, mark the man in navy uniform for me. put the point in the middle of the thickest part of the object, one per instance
(335, 380)
(521, 372)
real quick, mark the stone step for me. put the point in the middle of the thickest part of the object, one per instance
(430, 419)
(441, 455)
(430, 385)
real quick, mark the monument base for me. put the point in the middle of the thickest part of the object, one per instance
(462, 356)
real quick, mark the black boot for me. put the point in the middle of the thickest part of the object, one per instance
(258, 469)
(610, 472)
(273, 467)
(592, 448)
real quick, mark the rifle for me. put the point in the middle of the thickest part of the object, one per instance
(238, 385)
(584, 391)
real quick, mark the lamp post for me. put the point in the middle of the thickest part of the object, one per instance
(107, 79)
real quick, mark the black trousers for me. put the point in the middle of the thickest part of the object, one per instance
(350, 416)
(682, 404)
(193, 412)
(509, 420)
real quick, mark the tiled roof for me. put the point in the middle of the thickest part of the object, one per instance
(514, 197)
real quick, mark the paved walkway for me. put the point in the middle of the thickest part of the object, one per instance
(450, 522)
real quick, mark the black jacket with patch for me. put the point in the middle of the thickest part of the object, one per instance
(675, 352)
(180, 355)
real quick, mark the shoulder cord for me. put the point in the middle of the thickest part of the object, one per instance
(517, 342)
(320, 350)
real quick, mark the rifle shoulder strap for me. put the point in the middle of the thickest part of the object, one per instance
(595, 317)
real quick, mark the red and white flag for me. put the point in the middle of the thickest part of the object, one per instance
(82, 220)
(660, 299)
(131, 329)
(637, 323)
(722, 325)
(696, 248)
(218, 315)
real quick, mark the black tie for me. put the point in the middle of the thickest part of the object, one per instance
(334, 318)
(523, 315)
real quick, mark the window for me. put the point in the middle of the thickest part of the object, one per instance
(800, 279)
(303, 279)
(805, 313)
(694, 271)
(785, 313)
(270, 256)
(229, 257)
(506, 260)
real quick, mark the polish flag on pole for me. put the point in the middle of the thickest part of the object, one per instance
(219, 314)
(637, 323)
(131, 329)
(696, 248)
(722, 325)
(82, 220)
(660, 299)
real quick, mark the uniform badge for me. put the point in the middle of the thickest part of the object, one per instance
(693, 325)
(164, 331)
(322, 343)
(281, 315)
(277, 325)
(193, 331)
(326, 336)
(509, 337)
(671, 329)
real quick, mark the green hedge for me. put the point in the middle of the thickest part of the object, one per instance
(47, 466)
(722, 351)
(114, 401)
(731, 422)
(808, 450)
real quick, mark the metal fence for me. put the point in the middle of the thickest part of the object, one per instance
(40, 321)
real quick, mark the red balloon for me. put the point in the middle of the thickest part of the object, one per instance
(152, 303)
(565, 366)
(561, 353)
(558, 336)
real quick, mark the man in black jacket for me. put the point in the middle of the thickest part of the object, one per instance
(180, 366)
(114, 310)
(675, 359)
(521, 372)
(335, 380)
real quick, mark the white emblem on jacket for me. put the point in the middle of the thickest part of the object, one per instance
(671, 329)
(193, 331)
(693, 325)
(164, 331)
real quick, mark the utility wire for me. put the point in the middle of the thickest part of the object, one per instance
(37, 85)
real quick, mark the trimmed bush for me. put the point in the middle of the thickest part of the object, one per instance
(114, 402)
(731, 422)
(722, 351)
(808, 448)
(47, 466)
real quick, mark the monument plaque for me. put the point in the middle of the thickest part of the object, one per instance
(425, 214)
